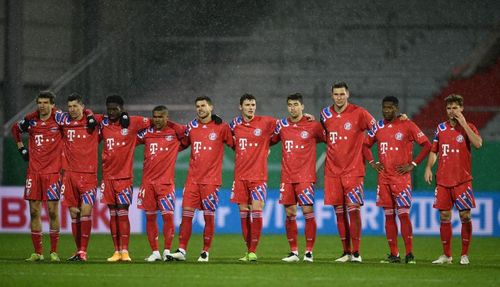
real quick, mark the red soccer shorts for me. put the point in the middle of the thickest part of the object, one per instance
(244, 191)
(79, 188)
(201, 196)
(154, 197)
(344, 190)
(43, 187)
(460, 195)
(394, 195)
(117, 191)
(293, 193)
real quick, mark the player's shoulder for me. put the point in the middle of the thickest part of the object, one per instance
(441, 127)
(144, 132)
(326, 113)
(236, 121)
(139, 119)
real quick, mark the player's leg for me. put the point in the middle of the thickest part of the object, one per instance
(291, 233)
(71, 199)
(166, 205)
(123, 197)
(88, 199)
(108, 198)
(53, 208)
(258, 192)
(190, 201)
(464, 201)
(334, 195)
(36, 230)
(209, 203)
(443, 202)
(146, 200)
(305, 198)
(354, 201)
(240, 196)
(403, 199)
(385, 201)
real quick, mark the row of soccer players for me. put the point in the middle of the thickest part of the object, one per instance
(67, 141)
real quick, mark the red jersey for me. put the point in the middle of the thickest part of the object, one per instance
(251, 147)
(207, 151)
(345, 133)
(160, 153)
(395, 147)
(118, 146)
(80, 144)
(452, 146)
(298, 149)
(44, 146)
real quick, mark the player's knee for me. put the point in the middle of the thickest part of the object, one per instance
(34, 214)
(445, 215)
(465, 216)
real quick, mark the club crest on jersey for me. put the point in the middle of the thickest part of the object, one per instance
(460, 138)
(304, 134)
(257, 132)
(124, 132)
(212, 136)
(399, 136)
(169, 138)
(347, 126)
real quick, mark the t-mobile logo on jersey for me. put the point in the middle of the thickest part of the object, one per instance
(38, 140)
(197, 147)
(288, 146)
(110, 143)
(445, 148)
(153, 147)
(383, 147)
(243, 142)
(333, 137)
(71, 135)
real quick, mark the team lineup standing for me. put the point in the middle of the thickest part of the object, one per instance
(71, 140)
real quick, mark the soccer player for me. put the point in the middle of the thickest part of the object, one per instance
(119, 134)
(452, 145)
(395, 138)
(204, 177)
(345, 125)
(43, 179)
(157, 192)
(252, 137)
(80, 139)
(299, 137)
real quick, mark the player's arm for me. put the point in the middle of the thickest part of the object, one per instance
(474, 137)
(276, 136)
(428, 168)
(16, 131)
(418, 136)
(228, 136)
(368, 155)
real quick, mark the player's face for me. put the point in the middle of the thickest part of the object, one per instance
(159, 119)
(203, 109)
(452, 109)
(295, 109)
(248, 108)
(340, 96)
(114, 111)
(44, 106)
(75, 110)
(389, 110)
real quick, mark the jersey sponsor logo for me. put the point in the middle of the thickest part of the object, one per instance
(398, 136)
(460, 138)
(110, 142)
(383, 147)
(197, 147)
(288, 146)
(445, 148)
(153, 147)
(38, 140)
(257, 132)
(242, 143)
(333, 137)
(347, 126)
(70, 134)
(304, 134)
(124, 132)
(212, 136)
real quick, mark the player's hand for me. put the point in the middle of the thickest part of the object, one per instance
(216, 119)
(428, 175)
(403, 117)
(406, 168)
(377, 166)
(309, 117)
(24, 125)
(91, 122)
(24, 153)
(124, 120)
(460, 118)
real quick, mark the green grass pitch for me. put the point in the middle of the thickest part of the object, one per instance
(224, 269)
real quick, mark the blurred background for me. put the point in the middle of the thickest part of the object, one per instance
(169, 52)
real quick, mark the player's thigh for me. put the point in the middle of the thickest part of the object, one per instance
(443, 198)
(258, 190)
(69, 190)
(87, 188)
(304, 192)
(334, 192)
(165, 197)
(353, 190)
(463, 196)
(191, 198)
(240, 193)
(32, 187)
(287, 194)
(209, 196)
(51, 186)
(146, 199)
(401, 194)
(384, 196)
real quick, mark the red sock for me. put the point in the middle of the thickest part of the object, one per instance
(256, 229)
(113, 227)
(76, 231)
(310, 231)
(168, 229)
(291, 232)
(445, 232)
(406, 228)
(391, 230)
(343, 228)
(54, 239)
(86, 228)
(355, 226)
(123, 228)
(152, 229)
(209, 230)
(186, 228)
(466, 235)
(36, 238)
(246, 222)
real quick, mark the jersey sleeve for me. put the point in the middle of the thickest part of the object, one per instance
(227, 135)
(367, 120)
(435, 140)
(416, 133)
(319, 133)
